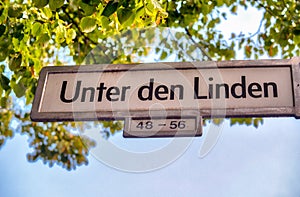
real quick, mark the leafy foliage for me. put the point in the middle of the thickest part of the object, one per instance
(33, 32)
(54, 144)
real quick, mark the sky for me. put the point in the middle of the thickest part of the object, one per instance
(244, 162)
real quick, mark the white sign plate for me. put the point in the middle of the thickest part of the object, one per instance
(228, 88)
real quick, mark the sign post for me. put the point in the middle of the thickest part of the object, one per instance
(264, 88)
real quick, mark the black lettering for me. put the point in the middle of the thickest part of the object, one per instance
(196, 89)
(84, 92)
(210, 89)
(266, 89)
(100, 90)
(226, 88)
(180, 91)
(112, 91)
(159, 90)
(123, 95)
(150, 91)
(63, 92)
(254, 87)
(242, 86)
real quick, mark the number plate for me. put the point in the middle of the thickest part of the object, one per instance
(163, 127)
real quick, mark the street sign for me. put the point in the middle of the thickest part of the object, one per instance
(214, 89)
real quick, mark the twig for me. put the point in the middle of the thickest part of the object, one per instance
(251, 35)
(182, 49)
(78, 28)
(197, 44)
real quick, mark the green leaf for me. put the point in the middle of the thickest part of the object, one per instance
(46, 12)
(60, 34)
(178, 35)
(217, 121)
(110, 8)
(3, 55)
(40, 3)
(297, 39)
(140, 12)
(71, 34)
(15, 62)
(129, 21)
(234, 9)
(256, 122)
(248, 121)
(219, 3)
(4, 82)
(87, 24)
(163, 55)
(43, 39)
(2, 68)
(105, 22)
(205, 9)
(1, 11)
(54, 4)
(37, 64)
(88, 9)
(15, 11)
(3, 102)
(86, 1)
(19, 89)
(296, 31)
(124, 14)
(36, 29)
(2, 30)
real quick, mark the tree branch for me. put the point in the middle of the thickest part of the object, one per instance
(78, 28)
(182, 49)
(205, 53)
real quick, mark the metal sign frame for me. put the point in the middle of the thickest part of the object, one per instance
(294, 111)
